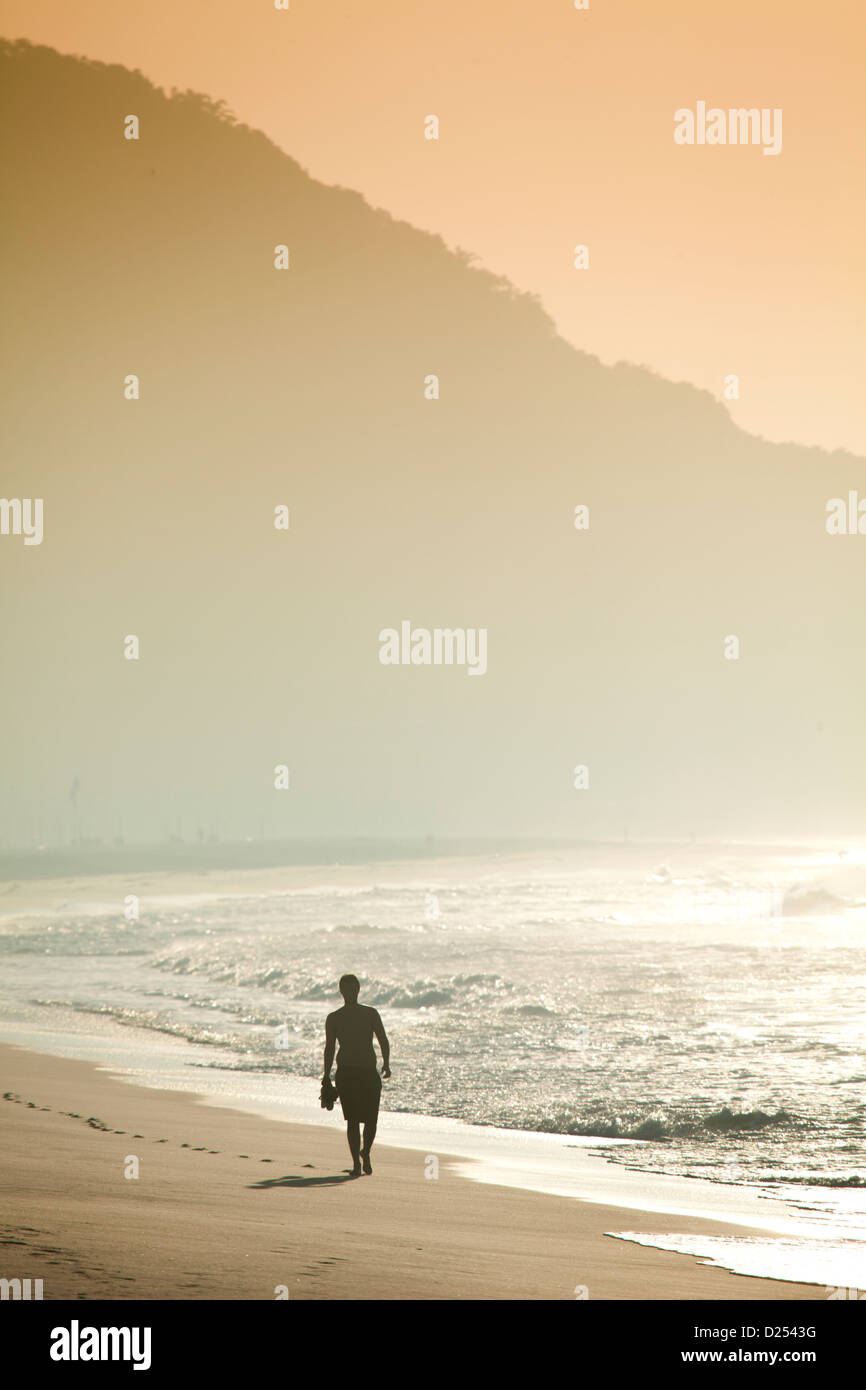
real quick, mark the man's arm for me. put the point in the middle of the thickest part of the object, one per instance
(330, 1044)
(384, 1044)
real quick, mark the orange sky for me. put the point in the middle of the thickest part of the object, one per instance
(557, 128)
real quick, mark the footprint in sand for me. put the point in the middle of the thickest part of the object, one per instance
(266, 1160)
(308, 1165)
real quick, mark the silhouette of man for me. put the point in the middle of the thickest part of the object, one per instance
(357, 1081)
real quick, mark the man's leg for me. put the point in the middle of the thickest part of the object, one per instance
(353, 1132)
(369, 1136)
(370, 1119)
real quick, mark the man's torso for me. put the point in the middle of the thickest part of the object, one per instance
(353, 1027)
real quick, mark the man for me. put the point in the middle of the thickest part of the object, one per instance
(358, 1084)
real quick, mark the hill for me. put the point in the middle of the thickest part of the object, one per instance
(306, 388)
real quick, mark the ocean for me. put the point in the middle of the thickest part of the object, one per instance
(704, 1003)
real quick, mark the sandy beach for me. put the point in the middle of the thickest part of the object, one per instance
(232, 1206)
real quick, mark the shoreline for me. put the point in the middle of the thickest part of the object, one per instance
(229, 1204)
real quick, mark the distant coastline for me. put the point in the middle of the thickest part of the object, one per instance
(95, 857)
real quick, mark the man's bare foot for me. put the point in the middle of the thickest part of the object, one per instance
(368, 1167)
(356, 1171)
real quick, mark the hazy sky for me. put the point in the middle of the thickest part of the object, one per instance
(260, 647)
(557, 129)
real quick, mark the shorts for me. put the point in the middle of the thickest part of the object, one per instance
(359, 1090)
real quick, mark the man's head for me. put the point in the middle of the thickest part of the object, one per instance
(350, 988)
